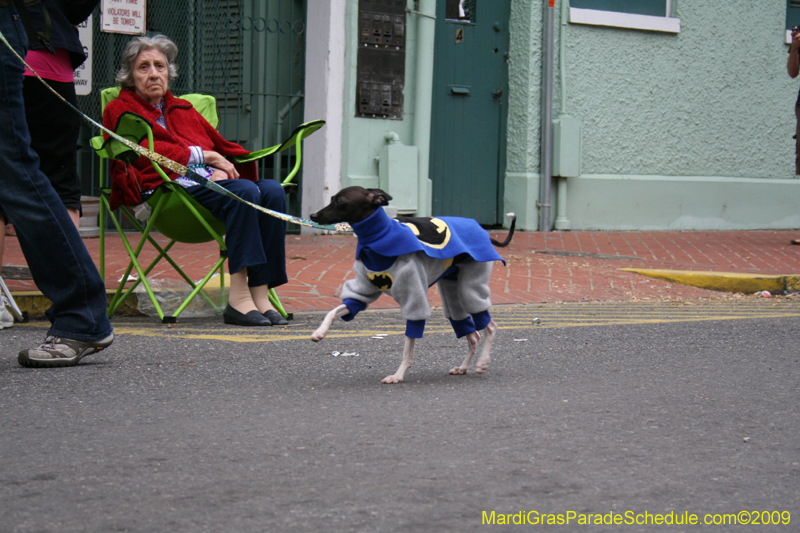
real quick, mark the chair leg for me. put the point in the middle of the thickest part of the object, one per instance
(276, 303)
(119, 297)
(8, 300)
(198, 289)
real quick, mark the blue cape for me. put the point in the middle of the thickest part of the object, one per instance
(441, 238)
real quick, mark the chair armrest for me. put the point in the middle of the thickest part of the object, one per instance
(300, 132)
(130, 126)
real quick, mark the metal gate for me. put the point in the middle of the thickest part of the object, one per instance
(250, 54)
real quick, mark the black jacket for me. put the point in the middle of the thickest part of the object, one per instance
(64, 16)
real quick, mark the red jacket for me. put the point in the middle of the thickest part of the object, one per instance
(185, 127)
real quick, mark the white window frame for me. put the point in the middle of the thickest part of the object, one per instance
(634, 21)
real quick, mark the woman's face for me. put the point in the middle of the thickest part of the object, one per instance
(151, 75)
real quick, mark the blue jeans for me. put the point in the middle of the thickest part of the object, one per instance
(60, 264)
(255, 240)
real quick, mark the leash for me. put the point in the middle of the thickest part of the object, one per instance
(176, 167)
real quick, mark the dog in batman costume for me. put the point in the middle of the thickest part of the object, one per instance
(403, 257)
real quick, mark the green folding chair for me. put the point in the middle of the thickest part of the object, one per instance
(172, 208)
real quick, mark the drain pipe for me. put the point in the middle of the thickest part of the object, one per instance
(547, 121)
(426, 30)
(562, 60)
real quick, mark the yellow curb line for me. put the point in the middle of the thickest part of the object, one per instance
(725, 281)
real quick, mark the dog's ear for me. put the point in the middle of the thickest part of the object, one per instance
(379, 197)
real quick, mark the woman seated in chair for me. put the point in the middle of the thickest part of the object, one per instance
(256, 241)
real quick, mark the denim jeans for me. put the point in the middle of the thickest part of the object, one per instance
(255, 240)
(60, 264)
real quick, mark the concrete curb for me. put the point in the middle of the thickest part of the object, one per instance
(725, 281)
(34, 303)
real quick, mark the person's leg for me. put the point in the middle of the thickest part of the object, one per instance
(241, 221)
(2, 240)
(59, 262)
(6, 320)
(239, 296)
(272, 230)
(797, 151)
(797, 141)
(241, 235)
(54, 134)
(75, 216)
(273, 241)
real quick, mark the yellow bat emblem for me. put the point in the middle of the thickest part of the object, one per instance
(432, 232)
(381, 280)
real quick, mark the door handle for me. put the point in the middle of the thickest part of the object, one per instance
(498, 93)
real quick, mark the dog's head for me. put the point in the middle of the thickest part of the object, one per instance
(351, 205)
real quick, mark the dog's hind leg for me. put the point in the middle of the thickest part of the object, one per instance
(336, 312)
(408, 359)
(462, 324)
(473, 339)
(486, 353)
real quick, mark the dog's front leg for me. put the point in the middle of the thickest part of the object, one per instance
(408, 358)
(336, 312)
(486, 354)
(472, 339)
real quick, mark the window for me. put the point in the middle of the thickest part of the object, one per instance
(651, 15)
(461, 10)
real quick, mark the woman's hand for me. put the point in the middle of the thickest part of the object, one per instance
(219, 163)
(218, 175)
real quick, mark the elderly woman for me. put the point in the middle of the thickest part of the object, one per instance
(256, 254)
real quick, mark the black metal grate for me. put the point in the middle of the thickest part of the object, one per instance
(250, 54)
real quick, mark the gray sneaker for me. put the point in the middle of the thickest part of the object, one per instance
(57, 351)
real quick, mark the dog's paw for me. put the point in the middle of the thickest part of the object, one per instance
(317, 336)
(457, 371)
(482, 365)
(392, 379)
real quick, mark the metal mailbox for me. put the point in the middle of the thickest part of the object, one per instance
(381, 58)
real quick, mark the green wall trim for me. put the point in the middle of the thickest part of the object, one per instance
(521, 194)
(649, 203)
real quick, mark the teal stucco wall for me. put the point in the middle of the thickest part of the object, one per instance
(679, 131)
(364, 138)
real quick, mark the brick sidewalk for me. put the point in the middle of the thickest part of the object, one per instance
(567, 266)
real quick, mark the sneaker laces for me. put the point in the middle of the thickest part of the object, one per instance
(50, 341)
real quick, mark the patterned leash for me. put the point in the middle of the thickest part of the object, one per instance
(177, 167)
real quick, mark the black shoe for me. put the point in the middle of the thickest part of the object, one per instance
(253, 318)
(275, 318)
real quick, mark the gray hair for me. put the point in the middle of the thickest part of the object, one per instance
(137, 45)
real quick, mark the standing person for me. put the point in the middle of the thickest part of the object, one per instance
(793, 67)
(54, 133)
(60, 264)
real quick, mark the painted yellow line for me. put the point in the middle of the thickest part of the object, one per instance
(547, 323)
(175, 333)
(509, 318)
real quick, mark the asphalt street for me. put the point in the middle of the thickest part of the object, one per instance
(623, 410)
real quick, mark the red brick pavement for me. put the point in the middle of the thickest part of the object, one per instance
(318, 265)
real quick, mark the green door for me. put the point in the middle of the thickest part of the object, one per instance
(469, 109)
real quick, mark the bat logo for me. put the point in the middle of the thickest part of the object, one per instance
(432, 232)
(381, 280)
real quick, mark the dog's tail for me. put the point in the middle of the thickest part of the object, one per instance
(513, 218)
